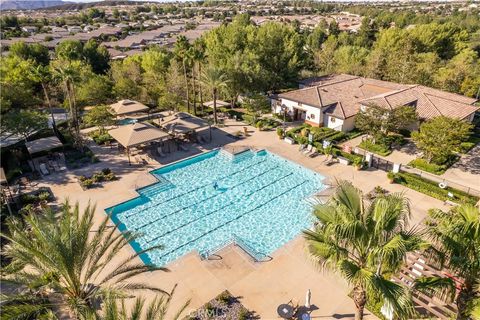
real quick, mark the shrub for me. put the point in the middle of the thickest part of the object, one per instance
(29, 198)
(106, 171)
(110, 176)
(378, 148)
(432, 189)
(279, 132)
(224, 297)
(340, 136)
(466, 146)
(87, 183)
(98, 177)
(244, 314)
(248, 119)
(100, 137)
(422, 164)
(44, 196)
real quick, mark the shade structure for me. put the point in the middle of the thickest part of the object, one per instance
(182, 123)
(123, 107)
(220, 103)
(138, 133)
(43, 144)
(3, 177)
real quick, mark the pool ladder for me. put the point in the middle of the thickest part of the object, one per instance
(239, 242)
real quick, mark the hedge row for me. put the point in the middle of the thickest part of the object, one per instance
(422, 164)
(432, 189)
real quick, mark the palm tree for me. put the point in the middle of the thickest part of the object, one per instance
(41, 74)
(157, 309)
(62, 256)
(455, 237)
(67, 74)
(181, 52)
(365, 242)
(214, 79)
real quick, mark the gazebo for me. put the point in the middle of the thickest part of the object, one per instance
(219, 103)
(136, 134)
(183, 123)
(124, 107)
(43, 144)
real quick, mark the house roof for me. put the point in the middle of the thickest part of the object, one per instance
(137, 133)
(182, 123)
(341, 96)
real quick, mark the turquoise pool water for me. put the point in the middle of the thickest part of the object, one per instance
(126, 121)
(261, 202)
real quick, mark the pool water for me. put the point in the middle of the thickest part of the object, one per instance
(126, 121)
(257, 199)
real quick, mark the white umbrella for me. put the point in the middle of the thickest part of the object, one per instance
(308, 296)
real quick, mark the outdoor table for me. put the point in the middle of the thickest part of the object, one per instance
(285, 311)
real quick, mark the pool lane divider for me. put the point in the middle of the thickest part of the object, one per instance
(203, 200)
(223, 207)
(197, 188)
(236, 218)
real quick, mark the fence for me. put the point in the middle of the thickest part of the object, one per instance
(385, 165)
(437, 179)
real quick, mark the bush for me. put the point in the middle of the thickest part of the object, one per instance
(87, 183)
(100, 137)
(422, 164)
(466, 146)
(106, 171)
(432, 189)
(44, 196)
(378, 148)
(280, 132)
(98, 177)
(248, 119)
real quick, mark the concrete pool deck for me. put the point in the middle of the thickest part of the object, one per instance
(261, 287)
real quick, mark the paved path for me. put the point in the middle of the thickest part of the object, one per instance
(261, 287)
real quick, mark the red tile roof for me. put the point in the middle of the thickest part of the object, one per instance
(341, 96)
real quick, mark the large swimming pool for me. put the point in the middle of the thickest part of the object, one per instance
(257, 199)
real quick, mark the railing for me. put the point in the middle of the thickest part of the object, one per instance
(437, 179)
(239, 242)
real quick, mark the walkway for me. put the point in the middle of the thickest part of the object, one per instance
(262, 286)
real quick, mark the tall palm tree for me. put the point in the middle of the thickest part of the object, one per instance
(41, 74)
(61, 255)
(67, 74)
(365, 242)
(181, 52)
(214, 79)
(455, 237)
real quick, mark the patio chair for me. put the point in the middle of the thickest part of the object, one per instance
(314, 153)
(307, 150)
(43, 169)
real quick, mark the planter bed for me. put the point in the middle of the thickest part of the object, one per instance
(432, 189)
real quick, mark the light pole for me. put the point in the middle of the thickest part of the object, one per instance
(284, 111)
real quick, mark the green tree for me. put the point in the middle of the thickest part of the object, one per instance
(214, 79)
(257, 104)
(181, 52)
(36, 52)
(95, 89)
(378, 122)
(68, 74)
(439, 137)
(350, 59)
(69, 50)
(324, 58)
(24, 123)
(316, 38)
(100, 116)
(41, 74)
(96, 56)
(365, 243)
(333, 28)
(127, 78)
(455, 237)
(66, 254)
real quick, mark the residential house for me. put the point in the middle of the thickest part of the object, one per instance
(333, 101)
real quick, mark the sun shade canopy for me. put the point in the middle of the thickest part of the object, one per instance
(43, 144)
(128, 106)
(182, 123)
(220, 103)
(136, 134)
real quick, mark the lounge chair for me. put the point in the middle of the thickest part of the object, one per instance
(43, 169)
(301, 147)
(314, 153)
(307, 150)
(182, 147)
